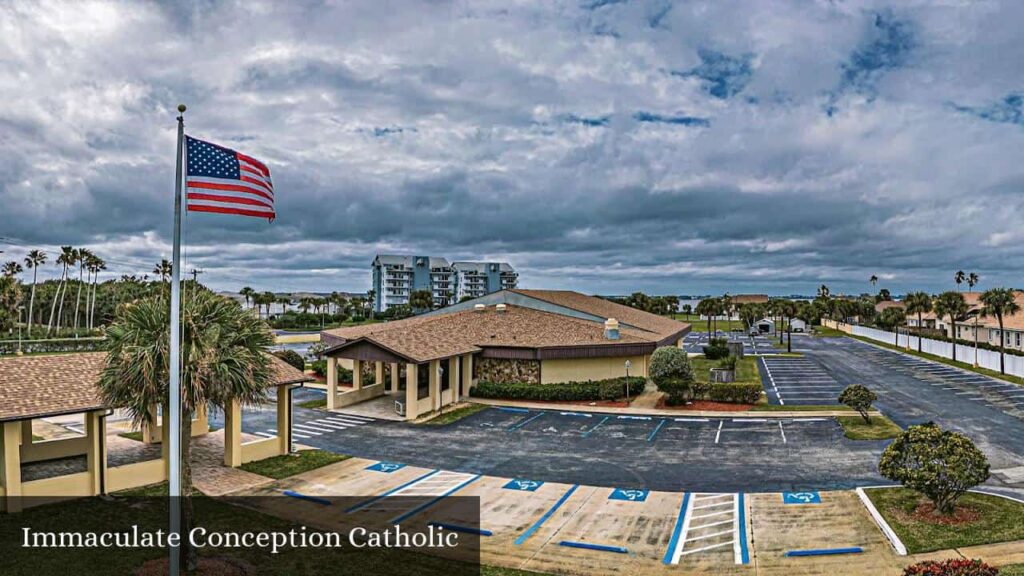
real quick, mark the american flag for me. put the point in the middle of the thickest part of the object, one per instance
(223, 181)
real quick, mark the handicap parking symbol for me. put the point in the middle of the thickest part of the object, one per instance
(523, 485)
(801, 498)
(628, 495)
(386, 467)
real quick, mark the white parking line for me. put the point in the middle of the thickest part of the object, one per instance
(719, 433)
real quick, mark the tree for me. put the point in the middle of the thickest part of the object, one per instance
(672, 373)
(284, 301)
(291, 357)
(788, 309)
(163, 270)
(224, 358)
(1000, 302)
(687, 309)
(66, 259)
(941, 464)
(371, 296)
(10, 300)
(421, 300)
(891, 319)
(96, 265)
(919, 303)
(951, 304)
(959, 278)
(34, 259)
(972, 280)
(707, 308)
(82, 256)
(883, 296)
(12, 268)
(247, 293)
(823, 291)
(859, 398)
(873, 279)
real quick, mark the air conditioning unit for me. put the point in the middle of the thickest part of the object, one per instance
(400, 407)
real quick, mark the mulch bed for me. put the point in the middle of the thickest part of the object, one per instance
(607, 403)
(705, 405)
(207, 567)
(925, 512)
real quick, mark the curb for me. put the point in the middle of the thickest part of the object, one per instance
(882, 524)
(583, 408)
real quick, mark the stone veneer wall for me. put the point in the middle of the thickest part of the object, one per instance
(507, 371)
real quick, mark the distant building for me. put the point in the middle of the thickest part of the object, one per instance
(396, 277)
(475, 279)
(885, 304)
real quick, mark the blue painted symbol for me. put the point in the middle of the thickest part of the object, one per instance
(523, 485)
(801, 498)
(629, 495)
(386, 467)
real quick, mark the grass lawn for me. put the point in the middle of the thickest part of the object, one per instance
(801, 408)
(137, 435)
(746, 369)
(825, 331)
(947, 361)
(321, 403)
(880, 428)
(455, 415)
(150, 514)
(1011, 570)
(699, 325)
(291, 464)
(998, 520)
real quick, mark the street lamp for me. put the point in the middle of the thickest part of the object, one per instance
(628, 366)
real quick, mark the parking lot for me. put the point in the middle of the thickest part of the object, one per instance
(798, 381)
(761, 345)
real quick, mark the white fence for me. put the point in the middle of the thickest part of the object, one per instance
(964, 352)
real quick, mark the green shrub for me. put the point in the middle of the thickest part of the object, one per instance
(860, 398)
(728, 363)
(319, 368)
(735, 393)
(611, 389)
(672, 373)
(716, 349)
(291, 357)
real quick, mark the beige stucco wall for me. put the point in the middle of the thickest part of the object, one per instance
(581, 369)
(135, 475)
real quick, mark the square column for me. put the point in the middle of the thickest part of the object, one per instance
(95, 454)
(357, 374)
(455, 365)
(10, 465)
(332, 383)
(233, 434)
(412, 407)
(378, 373)
(284, 419)
(434, 384)
(467, 374)
(394, 378)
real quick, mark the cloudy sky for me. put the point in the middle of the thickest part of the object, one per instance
(606, 146)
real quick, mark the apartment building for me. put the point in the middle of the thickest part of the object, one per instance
(475, 279)
(395, 277)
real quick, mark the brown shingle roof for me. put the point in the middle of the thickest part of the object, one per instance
(749, 299)
(884, 304)
(443, 335)
(660, 325)
(52, 384)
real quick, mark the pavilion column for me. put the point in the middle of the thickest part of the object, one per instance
(201, 423)
(357, 374)
(284, 419)
(332, 382)
(467, 374)
(378, 373)
(95, 453)
(394, 378)
(26, 432)
(10, 465)
(233, 434)
(454, 366)
(434, 384)
(412, 407)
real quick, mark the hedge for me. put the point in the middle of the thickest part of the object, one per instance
(735, 393)
(611, 389)
(319, 368)
(291, 357)
(10, 347)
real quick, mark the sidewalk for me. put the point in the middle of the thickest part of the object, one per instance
(652, 411)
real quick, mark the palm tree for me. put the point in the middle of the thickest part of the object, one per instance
(82, 255)
(823, 291)
(224, 359)
(12, 269)
(1000, 302)
(919, 303)
(96, 265)
(66, 259)
(163, 270)
(789, 310)
(268, 300)
(890, 319)
(959, 277)
(305, 303)
(951, 304)
(873, 280)
(284, 301)
(372, 294)
(972, 280)
(33, 260)
(421, 300)
(247, 293)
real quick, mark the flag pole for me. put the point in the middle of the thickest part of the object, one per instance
(174, 436)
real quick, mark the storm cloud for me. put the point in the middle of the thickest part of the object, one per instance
(603, 146)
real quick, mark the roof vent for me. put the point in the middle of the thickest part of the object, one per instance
(500, 307)
(479, 307)
(611, 329)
